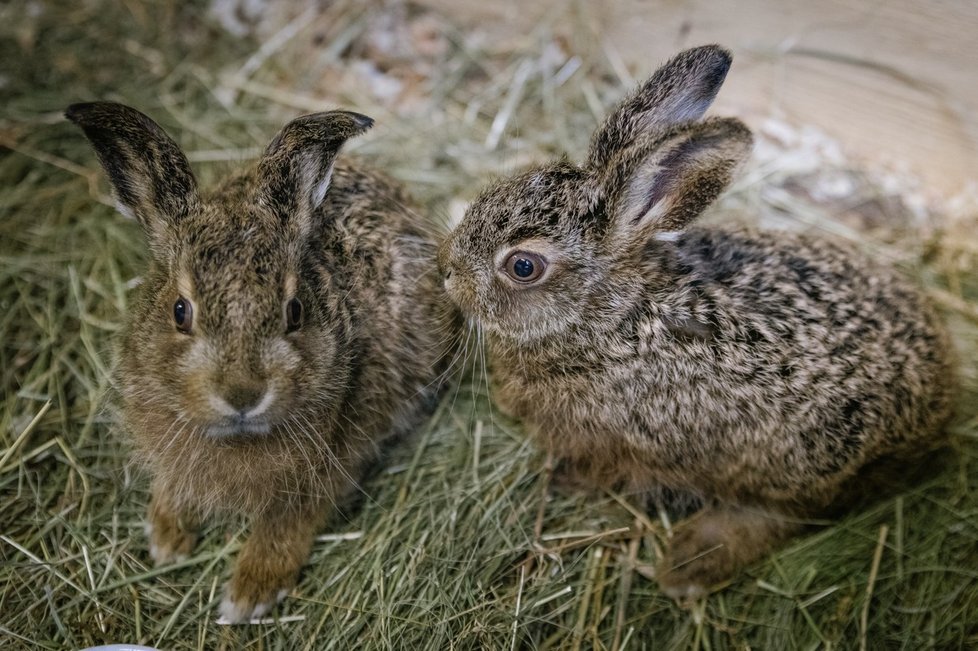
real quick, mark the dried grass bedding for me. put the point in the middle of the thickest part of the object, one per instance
(460, 544)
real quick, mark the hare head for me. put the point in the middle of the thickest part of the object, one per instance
(228, 335)
(559, 244)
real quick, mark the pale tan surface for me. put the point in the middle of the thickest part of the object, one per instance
(895, 81)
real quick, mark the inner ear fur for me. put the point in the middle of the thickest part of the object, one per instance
(664, 184)
(296, 168)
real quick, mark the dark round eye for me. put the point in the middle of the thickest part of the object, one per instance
(525, 267)
(293, 315)
(183, 315)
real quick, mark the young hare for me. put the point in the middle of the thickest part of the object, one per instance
(752, 373)
(288, 326)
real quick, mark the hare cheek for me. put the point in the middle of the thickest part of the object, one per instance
(195, 371)
(282, 363)
(280, 355)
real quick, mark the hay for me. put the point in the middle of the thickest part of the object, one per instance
(460, 544)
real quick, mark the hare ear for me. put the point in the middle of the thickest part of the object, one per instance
(680, 91)
(295, 171)
(665, 185)
(151, 176)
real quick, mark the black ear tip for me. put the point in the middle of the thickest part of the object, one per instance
(362, 121)
(711, 63)
(713, 51)
(86, 114)
(722, 59)
(714, 57)
(721, 53)
(76, 112)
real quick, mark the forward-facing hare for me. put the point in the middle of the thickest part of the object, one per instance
(754, 373)
(290, 324)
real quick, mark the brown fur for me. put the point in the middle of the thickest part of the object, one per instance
(246, 415)
(753, 372)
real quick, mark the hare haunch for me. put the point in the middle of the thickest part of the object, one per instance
(290, 323)
(754, 373)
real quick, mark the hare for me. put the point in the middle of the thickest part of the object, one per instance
(752, 373)
(290, 324)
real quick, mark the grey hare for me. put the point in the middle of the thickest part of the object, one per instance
(753, 373)
(291, 322)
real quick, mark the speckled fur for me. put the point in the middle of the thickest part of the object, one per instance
(754, 372)
(362, 369)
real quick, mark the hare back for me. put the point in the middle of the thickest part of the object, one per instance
(753, 368)
(379, 254)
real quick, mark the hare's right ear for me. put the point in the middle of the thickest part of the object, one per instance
(679, 91)
(151, 176)
(664, 184)
(295, 171)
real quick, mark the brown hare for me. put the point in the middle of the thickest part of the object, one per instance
(752, 373)
(291, 322)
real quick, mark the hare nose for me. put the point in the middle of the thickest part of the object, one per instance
(243, 397)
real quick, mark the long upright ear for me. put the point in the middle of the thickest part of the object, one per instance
(295, 171)
(150, 175)
(680, 91)
(663, 185)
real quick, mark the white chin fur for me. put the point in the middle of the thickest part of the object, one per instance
(668, 236)
(243, 428)
(235, 613)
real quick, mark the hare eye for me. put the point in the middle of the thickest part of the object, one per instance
(525, 267)
(183, 315)
(293, 315)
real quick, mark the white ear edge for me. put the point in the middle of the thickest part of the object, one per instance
(456, 212)
(318, 190)
(667, 236)
(124, 210)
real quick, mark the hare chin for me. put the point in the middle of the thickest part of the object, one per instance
(238, 427)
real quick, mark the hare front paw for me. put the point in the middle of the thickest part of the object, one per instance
(241, 605)
(709, 548)
(269, 563)
(568, 478)
(698, 559)
(169, 545)
(253, 590)
(261, 579)
(171, 537)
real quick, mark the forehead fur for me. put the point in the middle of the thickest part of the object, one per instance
(541, 202)
(235, 248)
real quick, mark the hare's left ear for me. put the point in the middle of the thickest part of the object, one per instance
(150, 175)
(665, 184)
(679, 91)
(296, 169)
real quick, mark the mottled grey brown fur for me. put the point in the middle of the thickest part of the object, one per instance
(246, 415)
(753, 372)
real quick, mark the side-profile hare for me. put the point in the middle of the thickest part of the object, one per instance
(290, 323)
(753, 373)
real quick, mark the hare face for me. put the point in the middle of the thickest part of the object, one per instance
(235, 321)
(525, 260)
(217, 332)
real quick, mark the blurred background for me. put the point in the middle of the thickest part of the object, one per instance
(894, 81)
(866, 117)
